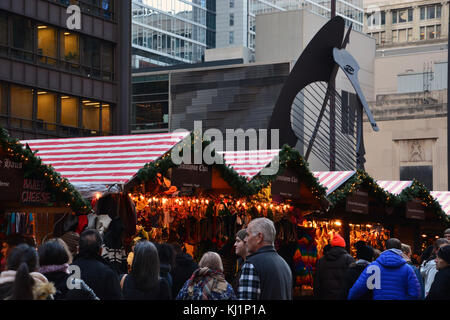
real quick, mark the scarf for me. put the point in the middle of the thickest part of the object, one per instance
(54, 268)
(10, 276)
(207, 281)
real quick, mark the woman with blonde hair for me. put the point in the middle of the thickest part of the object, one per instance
(208, 281)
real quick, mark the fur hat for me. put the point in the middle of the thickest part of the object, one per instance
(43, 291)
(337, 241)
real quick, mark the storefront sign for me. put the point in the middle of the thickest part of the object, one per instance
(192, 175)
(34, 192)
(11, 177)
(358, 202)
(415, 210)
(287, 185)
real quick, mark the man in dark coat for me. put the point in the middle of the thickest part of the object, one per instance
(331, 269)
(364, 256)
(183, 269)
(94, 269)
(440, 289)
(265, 275)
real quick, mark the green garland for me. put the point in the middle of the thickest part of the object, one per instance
(33, 166)
(418, 191)
(288, 157)
(361, 179)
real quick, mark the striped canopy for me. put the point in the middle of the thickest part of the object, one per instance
(443, 197)
(394, 187)
(103, 160)
(249, 163)
(331, 180)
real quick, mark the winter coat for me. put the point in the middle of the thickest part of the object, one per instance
(330, 274)
(397, 279)
(206, 284)
(164, 272)
(419, 278)
(440, 289)
(182, 271)
(42, 288)
(132, 292)
(428, 272)
(59, 280)
(99, 276)
(352, 274)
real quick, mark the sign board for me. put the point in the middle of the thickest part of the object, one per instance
(415, 210)
(192, 176)
(34, 191)
(11, 178)
(287, 185)
(358, 202)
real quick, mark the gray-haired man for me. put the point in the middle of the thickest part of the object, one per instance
(265, 275)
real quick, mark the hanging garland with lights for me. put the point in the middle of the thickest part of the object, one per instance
(288, 157)
(418, 191)
(33, 166)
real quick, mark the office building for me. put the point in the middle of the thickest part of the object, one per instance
(61, 82)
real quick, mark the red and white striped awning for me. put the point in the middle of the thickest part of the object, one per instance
(103, 160)
(394, 187)
(443, 197)
(249, 163)
(331, 180)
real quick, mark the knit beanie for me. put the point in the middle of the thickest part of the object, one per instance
(364, 252)
(337, 241)
(444, 253)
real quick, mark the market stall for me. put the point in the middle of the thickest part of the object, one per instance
(33, 196)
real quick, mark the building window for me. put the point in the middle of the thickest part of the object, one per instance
(91, 115)
(231, 37)
(22, 38)
(433, 11)
(47, 44)
(376, 19)
(394, 35)
(91, 57)
(402, 35)
(231, 3)
(3, 33)
(231, 19)
(424, 174)
(46, 110)
(106, 118)
(410, 36)
(70, 48)
(69, 111)
(108, 61)
(430, 32)
(21, 107)
(402, 15)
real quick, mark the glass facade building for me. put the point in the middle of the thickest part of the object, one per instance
(167, 32)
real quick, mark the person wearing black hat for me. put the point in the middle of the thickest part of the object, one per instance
(440, 289)
(364, 256)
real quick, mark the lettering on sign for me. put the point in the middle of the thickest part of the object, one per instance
(192, 176)
(287, 185)
(415, 210)
(358, 202)
(11, 177)
(34, 191)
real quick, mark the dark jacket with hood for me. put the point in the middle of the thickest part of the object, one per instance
(354, 271)
(59, 279)
(330, 274)
(182, 271)
(440, 289)
(397, 280)
(131, 291)
(98, 276)
(164, 272)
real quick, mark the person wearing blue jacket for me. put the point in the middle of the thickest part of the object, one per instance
(389, 276)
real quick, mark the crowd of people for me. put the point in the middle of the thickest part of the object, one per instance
(389, 275)
(166, 272)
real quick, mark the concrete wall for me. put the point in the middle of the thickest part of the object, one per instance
(228, 53)
(223, 27)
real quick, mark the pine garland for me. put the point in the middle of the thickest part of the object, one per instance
(33, 167)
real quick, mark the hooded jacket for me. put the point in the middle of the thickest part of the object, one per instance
(428, 272)
(352, 274)
(182, 271)
(330, 274)
(397, 280)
